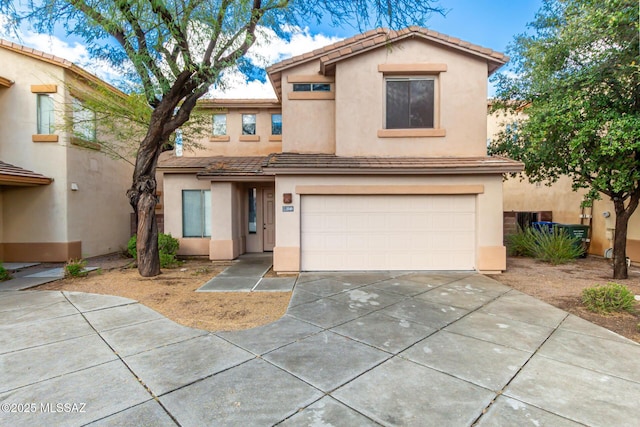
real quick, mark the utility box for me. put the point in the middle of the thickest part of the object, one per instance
(578, 231)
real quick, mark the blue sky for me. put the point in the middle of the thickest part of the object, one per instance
(489, 23)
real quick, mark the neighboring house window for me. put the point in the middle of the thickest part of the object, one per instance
(312, 87)
(276, 124)
(196, 213)
(45, 114)
(252, 210)
(410, 103)
(248, 124)
(84, 121)
(219, 124)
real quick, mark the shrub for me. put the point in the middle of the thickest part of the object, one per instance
(556, 247)
(167, 246)
(521, 243)
(4, 273)
(608, 298)
(75, 268)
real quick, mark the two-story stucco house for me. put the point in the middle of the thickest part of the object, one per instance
(57, 200)
(373, 157)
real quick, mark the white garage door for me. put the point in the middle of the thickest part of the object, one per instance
(387, 232)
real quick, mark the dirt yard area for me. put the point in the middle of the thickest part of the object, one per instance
(172, 293)
(562, 287)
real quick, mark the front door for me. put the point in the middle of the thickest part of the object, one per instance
(268, 219)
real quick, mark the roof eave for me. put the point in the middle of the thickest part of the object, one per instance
(468, 170)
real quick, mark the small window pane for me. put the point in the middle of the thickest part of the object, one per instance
(252, 210)
(321, 87)
(301, 87)
(276, 124)
(248, 124)
(421, 104)
(45, 114)
(397, 105)
(219, 124)
(84, 121)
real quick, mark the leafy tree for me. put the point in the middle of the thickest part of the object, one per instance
(175, 49)
(575, 90)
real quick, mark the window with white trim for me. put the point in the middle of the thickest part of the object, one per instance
(196, 213)
(45, 114)
(276, 124)
(410, 102)
(312, 87)
(219, 124)
(248, 124)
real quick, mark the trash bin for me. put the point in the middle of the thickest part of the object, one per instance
(544, 226)
(578, 231)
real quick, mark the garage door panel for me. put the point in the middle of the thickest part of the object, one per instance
(399, 232)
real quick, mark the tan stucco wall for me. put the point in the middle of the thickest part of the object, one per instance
(461, 90)
(37, 214)
(488, 213)
(232, 144)
(96, 217)
(172, 193)
(308, 125)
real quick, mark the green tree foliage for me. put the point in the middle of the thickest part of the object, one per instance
(175, 49)
(575, 90)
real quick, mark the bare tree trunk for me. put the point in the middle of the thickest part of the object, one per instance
(147, 242)
(620, 241)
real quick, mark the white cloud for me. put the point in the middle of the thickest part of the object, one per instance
(268, 49)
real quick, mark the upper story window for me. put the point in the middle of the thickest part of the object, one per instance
(276, 124)
(219, 124)
(84, 121)
(45, 114)
(312, 87)
(410, 103)
(248, 124)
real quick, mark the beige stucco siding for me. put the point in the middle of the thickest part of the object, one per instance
(308, 125)
(234, 143)
(460, 104)
(34, 214)
(173, 184)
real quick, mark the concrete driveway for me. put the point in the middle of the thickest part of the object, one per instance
(354, 349)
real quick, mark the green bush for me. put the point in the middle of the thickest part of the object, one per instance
(521, 243)
(608, 298)
(75, 268)
(167, 246)
(556, 247)
(4, 273)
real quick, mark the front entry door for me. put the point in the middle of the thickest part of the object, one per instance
(268, 219)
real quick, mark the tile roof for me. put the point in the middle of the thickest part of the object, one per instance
(15, 175)
(239, 103)
(215, 166)
(283, 163)
(319, 162)
(376, 38)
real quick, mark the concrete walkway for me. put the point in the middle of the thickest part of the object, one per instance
(246, 275)
(355, 349)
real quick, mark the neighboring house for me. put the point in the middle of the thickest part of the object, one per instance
(57, 201)
(373, 157)
(559, 203)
